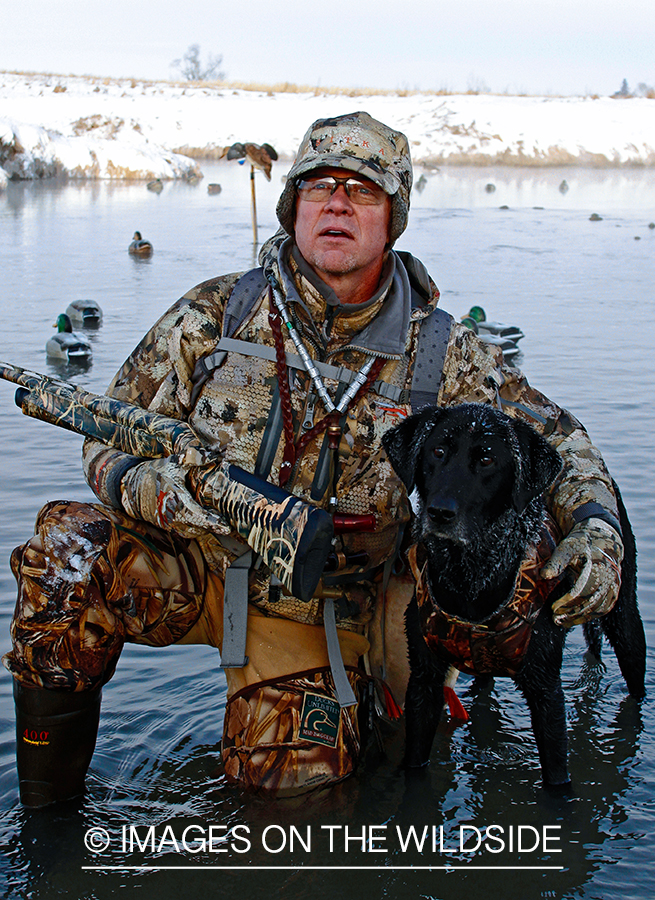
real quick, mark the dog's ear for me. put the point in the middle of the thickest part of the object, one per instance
(540, 464)
(403, 445)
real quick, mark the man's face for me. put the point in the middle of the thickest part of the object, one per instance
(340, 238)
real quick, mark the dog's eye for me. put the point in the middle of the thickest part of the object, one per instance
(486, 459)
(439, 452)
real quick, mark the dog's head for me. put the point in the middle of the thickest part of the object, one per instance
(469, 465)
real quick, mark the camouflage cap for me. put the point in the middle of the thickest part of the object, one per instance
(360, 143)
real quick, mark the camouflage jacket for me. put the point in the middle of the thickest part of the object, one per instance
(231, 411)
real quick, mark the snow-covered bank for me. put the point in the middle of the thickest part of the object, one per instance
(85, 127)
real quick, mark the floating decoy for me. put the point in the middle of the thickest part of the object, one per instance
(84, 312)
(594, 217)
(513, 332)
(214, 188)
(490, 188)
(508, 346)
(139, 247)
(156, 186)
(420, 183)
(563, 188)
(66, 344)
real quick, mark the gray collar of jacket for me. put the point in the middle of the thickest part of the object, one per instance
(385, 334)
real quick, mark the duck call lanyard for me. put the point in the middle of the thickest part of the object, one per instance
(278, 315)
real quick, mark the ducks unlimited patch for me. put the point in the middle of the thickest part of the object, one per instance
(319, 720)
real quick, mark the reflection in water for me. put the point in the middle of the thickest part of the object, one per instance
(582, 293)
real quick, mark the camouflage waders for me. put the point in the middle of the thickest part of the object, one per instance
(102, 578)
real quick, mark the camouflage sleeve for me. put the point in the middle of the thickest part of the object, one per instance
(474, 373)
(157, 375)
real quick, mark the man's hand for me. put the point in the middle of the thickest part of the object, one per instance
(156, 492)
(593, 551)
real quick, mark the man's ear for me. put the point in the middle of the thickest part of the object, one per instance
(540, 464)
(404, 442)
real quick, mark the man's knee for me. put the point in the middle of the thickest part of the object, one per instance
(69, 536)
(90, 579)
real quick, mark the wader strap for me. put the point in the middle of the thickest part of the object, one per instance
(342, 689)
(239, 304)
(235, 613)
(430, 356)
(244, 295)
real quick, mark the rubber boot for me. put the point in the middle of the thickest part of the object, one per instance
(55, 737)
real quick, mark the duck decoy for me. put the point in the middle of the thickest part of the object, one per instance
(214, 188)
(86, 313)
(563, 188)
(508, 346)
(420, 183)
(156, 186)
(511, 332)
(260, 156)
(67, 345)
(139, 247)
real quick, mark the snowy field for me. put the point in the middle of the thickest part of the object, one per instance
(85, 127)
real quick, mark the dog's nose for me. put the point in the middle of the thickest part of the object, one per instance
(442, 513)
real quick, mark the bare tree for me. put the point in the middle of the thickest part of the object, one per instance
(193, 70)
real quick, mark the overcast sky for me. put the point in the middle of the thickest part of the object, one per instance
(531, 46)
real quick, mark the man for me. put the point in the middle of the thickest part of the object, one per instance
(293, 372)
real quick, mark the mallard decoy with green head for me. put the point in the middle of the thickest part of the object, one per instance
(67, 345)
(511, 332)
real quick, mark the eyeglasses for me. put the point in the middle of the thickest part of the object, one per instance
(318, 190)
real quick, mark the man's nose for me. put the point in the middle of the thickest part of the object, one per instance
(339, 201)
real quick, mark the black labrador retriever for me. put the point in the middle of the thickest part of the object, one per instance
(481, 533)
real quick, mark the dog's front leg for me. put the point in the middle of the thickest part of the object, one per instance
(424, 699)
(539, 681)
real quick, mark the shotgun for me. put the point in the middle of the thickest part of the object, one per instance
(293, 538)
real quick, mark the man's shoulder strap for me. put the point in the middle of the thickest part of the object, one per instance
(430, 357)
(242, 299)
(239, 304)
